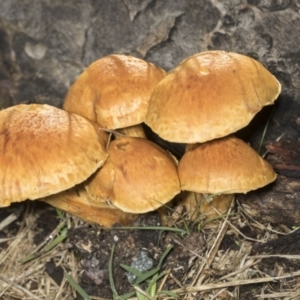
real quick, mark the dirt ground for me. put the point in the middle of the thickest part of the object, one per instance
(263, 259)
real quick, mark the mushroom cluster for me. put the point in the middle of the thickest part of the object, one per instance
(138, 176)
(205, 99)
(67, 157)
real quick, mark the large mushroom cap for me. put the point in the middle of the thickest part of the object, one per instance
(210, 95)
(137, 177)
(45, 150)
(226, 165)
(114, 91)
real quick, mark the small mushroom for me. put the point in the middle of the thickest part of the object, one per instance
(137, 177)
(45, 150)
(114, 91)
(223, 166)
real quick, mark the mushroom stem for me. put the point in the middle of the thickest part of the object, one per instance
(132, 131)
(206, 206)
(202, 206)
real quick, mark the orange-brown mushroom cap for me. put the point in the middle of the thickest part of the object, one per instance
(45, 150)
(210, 95)
(226, 165)
(77, 202)
(114, 91)
(137, 177)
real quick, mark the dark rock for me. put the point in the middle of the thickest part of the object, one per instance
(55, 41)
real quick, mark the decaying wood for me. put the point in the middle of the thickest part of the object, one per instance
(285, 157)
(279, 202)
(285, 244)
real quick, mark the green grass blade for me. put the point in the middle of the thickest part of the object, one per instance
(169, 293)
(30, 257)
(151, 289)
(126, 296)
(161, 228)
(77, 287)
(164, 255)
(60, 213)
(158, 276)
(62, 236)
(152, 272)
(134, 271)
(141, 277)
(111, 279)
(265, 131)
(110, 274)
(153, 275)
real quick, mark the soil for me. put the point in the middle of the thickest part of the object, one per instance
(93, 245)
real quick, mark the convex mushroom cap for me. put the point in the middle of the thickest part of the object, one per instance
(137, 177)
(114, 91)
(210, 95)
(45, 150)
(223, 166)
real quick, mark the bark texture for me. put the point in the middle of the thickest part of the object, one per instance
(45, 45)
